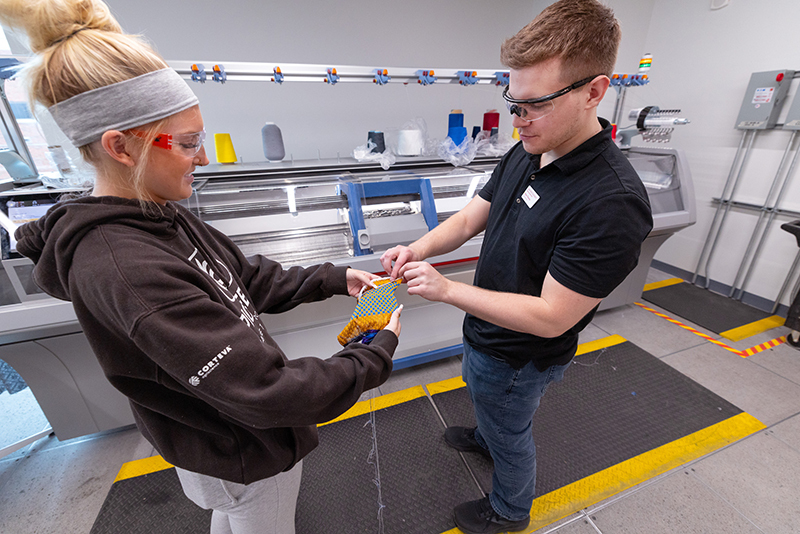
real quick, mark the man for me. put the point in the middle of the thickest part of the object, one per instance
(565, 215)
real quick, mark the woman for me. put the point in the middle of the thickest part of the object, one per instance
(169, 305)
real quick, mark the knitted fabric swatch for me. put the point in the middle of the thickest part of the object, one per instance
(373, 311)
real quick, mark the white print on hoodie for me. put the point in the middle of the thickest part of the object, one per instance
(231, 290)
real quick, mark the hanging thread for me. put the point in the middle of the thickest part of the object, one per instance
(374, 459)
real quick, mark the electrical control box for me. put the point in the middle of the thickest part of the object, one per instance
(763, 99)
(792, 121)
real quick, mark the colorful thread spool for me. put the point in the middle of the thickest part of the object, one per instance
(223, 146)
(491, 119)
(455, 127)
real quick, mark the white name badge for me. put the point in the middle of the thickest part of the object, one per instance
(530, 196)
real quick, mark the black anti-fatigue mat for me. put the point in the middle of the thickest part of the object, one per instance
(613, 404)
(149, 504)
(421, 480)
(617, 406)
(703, 307)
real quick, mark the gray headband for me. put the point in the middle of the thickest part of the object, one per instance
(123, 105)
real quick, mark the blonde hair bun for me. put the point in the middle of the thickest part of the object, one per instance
(50, 22)
(79, 46)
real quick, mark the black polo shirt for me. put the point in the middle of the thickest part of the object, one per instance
(588, 217)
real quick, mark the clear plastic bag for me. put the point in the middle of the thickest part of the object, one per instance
(402, 142)
(70, 174)
(409, 140)
(364, 153)
(494, 146)
(458, 155)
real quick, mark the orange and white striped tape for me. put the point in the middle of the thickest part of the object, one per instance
(743, 353)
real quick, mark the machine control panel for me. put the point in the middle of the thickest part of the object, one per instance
(763, 99)
(792, 121)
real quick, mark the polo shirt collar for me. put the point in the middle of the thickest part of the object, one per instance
(580, 157)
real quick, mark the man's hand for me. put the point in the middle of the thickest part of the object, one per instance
(425, 281)
(399, 255)
(357, 280)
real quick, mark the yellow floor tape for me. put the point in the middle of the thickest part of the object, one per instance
(145, 466)
(590, 490)
(662, 283)
(751, 329)
(383, 401)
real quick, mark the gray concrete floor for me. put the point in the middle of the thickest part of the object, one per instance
(20, 417)
(752, 485)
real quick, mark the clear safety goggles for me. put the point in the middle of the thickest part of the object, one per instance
(188, 144)
(536, 108)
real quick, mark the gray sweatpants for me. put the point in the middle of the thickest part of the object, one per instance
(264, 507)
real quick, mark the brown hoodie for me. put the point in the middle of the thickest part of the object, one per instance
(171, 309)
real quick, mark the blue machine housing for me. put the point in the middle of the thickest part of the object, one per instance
(357, 191)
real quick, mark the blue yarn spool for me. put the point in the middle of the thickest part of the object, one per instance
(455, 127)
(457, 134)
(456, 119)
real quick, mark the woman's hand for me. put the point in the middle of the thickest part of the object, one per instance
(356, 280)
(394, 322)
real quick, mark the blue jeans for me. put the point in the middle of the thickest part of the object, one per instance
(505, 400)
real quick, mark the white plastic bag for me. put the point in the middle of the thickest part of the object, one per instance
(409, 140)
(494, 146)
(458, 155)
(364, 153)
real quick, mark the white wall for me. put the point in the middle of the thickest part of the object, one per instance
(324, 121)
(702, 62)
(318, 120)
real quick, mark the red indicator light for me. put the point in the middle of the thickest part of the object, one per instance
(779, 77)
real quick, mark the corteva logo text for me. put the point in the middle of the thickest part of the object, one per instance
(210, 366)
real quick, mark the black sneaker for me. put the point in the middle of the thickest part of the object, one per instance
(463, 439)
(478, 517)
